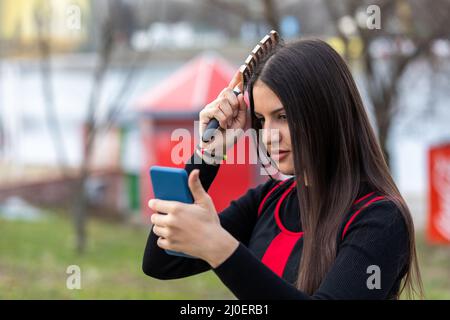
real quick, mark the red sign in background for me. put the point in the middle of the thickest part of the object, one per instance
(438, 229)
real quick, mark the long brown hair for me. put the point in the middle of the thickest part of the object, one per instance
(334, 146)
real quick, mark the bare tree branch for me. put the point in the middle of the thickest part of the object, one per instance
(422, 30)
(237, 8)
(80, 206)
(41, 18)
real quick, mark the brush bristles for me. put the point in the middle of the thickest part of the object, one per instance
(258, 53)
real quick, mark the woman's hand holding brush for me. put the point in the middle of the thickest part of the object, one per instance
(230, 110)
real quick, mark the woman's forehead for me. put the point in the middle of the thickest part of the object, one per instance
(265, 100)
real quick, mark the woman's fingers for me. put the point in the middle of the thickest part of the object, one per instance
(236, 81)
(164, 206)
(160, 219)
(220, 115)
(209, 112)
(227, 110)
(161, 231)
(218, 108)
(242, 106)
(242, 110)
(229, 95)
(163, 243)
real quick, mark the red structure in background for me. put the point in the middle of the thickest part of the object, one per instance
(175, 104)
(438, 230)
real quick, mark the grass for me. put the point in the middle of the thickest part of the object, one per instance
(434, 264)
(34, 257)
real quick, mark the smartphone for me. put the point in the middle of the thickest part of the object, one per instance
(171, 184)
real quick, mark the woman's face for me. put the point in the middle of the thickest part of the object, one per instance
(276, 137)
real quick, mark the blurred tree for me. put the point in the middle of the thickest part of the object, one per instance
(42, 20)
(409, 28)
(2, 129)
(113, 31)
(252, 10)
(42, 17)
(80, 204)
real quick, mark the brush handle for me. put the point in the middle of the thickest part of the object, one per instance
(213, 124)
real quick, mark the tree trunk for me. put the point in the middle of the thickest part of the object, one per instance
(271, 14)
(383, 108)
(79, 215)
(383, 135)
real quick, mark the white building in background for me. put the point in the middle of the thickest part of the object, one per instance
(22, 106)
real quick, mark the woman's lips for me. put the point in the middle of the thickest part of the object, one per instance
(280, 155)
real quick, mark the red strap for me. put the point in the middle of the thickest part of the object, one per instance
(268, 195)
(279, 251)
(358, 212)
(277, 210)
(364, 197)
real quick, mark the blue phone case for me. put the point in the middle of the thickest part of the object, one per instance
(171, 184)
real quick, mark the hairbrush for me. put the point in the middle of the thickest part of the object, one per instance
(246, 70)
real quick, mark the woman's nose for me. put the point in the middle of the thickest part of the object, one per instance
(271, 137)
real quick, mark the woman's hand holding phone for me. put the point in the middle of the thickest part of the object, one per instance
(193, 229)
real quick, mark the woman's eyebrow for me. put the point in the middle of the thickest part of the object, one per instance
(273, 112)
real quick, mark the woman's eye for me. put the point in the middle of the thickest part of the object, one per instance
(282, 117)
(260, 120)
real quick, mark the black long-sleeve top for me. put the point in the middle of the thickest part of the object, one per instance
(372, 245)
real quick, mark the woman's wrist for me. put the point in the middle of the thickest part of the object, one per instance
(209, 156)
(222, 248)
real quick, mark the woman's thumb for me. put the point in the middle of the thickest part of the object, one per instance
(236, 81)
(195, 185)
(242, 104)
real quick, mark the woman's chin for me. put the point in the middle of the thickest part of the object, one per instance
(286, 168)
(287, 172)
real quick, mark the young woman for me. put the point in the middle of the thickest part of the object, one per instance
(338, 229)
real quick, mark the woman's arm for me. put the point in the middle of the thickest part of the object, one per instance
(238, 219)
(377, 237)
(231, 112)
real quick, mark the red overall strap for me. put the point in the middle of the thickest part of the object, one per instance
(364, 197)
(360, 210)
(279, 251)
(261, 205)
(280, 248)
(277, 210)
